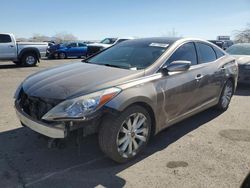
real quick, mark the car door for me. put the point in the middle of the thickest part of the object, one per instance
(82, 49)
(211, 76)
(7, 47)
(72, 49)
(180, 88)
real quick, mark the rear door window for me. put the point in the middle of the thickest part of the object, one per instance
(5, 38)
(72, 45)
(206, 53)
(219, 53)
(186, 52)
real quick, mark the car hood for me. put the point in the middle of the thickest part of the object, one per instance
(242, 59)
(75, 79)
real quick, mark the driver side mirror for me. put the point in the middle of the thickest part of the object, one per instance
(176, 66)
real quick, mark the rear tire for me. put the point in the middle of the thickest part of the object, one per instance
(121, 140)
(29, 60)
(226, 96)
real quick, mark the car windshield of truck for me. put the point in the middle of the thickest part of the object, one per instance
(108, 41)
(241, 49)
(129, 56)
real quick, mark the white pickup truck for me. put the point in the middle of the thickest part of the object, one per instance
(21, 53)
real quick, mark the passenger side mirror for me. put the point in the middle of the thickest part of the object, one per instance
(176, 66)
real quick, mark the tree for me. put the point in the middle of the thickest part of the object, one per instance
(243, 36)
(64, 37)
(39, 38)
(22, 39)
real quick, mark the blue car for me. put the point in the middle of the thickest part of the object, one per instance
(72, 49)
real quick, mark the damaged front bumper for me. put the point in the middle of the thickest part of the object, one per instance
(56, 130)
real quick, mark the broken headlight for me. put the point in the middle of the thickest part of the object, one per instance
(78, 108)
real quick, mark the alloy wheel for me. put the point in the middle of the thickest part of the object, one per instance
(133, 134)
(30, 60)
(62, 55)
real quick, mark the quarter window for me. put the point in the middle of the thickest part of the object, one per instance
(186, 52)
(4, 38)
(206, 53)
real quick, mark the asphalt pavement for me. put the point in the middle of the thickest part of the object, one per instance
(211, 149)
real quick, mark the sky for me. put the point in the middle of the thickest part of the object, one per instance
(97, 19)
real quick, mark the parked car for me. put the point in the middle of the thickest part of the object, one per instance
(242, 53)
(223, 44)
(128, 92)
(65, 50)
(105, 43)
(21, 53)
(219, 43)
(227, 44)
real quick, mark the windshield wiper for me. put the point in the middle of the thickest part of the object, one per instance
(111, 65)
(116, 66)
(106, 64)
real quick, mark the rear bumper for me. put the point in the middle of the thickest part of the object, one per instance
(52, 131)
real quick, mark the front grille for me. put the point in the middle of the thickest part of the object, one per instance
(34, 106)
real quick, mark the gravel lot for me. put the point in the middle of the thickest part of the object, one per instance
(207, 150)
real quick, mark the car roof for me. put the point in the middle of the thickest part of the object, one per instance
(128, 38)
(148, 41)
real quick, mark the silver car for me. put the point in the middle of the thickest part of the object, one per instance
(242, 54)
(129, 92)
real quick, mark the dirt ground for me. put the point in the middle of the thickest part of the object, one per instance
(207, 150)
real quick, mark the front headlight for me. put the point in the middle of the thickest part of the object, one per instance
(78, 108)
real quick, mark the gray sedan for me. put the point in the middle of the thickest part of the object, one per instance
(129, 92)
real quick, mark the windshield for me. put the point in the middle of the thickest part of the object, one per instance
(129, 56)
(108, 41)
(239, 49)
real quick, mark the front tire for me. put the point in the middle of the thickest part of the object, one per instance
(226, 96)
(124, 136)
(29, 60)
(62, 55)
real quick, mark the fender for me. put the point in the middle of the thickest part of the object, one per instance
(29, 49)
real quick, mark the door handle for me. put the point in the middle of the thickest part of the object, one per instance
(11, 46)
(198, 77)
